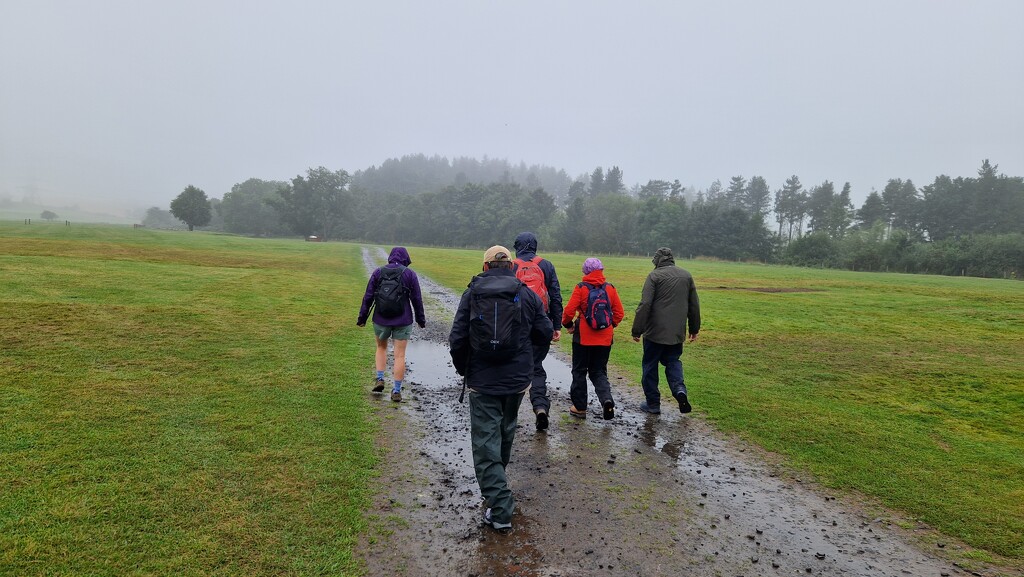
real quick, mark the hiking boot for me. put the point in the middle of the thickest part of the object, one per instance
(542, 419)
(684, 403)
(609, 410)
(396, 396)
(649, 409)
(378, 385)
(577, 413)
(502, 528)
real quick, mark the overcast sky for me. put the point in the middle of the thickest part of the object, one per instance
(128, 102)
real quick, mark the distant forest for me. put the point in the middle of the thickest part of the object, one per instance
(953, 226)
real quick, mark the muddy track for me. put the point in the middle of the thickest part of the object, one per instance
(637, 495)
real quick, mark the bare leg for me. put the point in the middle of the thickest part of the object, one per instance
(381, 356)
(399, 369)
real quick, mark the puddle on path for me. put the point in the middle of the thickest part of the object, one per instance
(637, 495)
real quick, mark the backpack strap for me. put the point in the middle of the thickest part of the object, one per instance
(401, 279)
(400, 269)
(522, 261)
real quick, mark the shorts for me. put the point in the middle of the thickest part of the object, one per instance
(397, 333)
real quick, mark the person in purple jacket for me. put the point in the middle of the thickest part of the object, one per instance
(398, 328)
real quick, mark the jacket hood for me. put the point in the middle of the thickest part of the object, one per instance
(594, 277)
(490, 273)
(663, 257)
(526, 243)
(399, 256)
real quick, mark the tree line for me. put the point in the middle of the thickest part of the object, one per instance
(962, 226)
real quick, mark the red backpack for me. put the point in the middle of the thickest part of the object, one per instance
(532, 276)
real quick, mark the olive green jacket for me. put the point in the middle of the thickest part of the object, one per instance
(668, 304)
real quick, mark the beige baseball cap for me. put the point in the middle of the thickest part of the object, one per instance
(497, 253)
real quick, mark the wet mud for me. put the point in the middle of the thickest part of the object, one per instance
(637, 495)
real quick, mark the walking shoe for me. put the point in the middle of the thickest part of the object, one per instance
(649, 409)
(396, 396)
(684, 403)
(609, 410)
(542, 419)
(577, 413)
(378, 385)
(503, 528)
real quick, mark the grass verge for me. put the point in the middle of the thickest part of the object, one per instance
(180, 404)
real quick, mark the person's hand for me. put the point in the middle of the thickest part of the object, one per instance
(636, 339)
(555, 336)
(360, 323)
(693, 337)
(569, 329)
(422, 324)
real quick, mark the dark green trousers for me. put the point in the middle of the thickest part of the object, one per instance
(492, 425)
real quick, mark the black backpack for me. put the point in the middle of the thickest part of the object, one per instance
(391, 294)
(598, 312)
(495, 315)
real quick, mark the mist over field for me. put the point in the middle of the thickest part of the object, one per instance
(116, 107)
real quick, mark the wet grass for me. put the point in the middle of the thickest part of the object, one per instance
(905, 388)
(194, 403)
(176, 403)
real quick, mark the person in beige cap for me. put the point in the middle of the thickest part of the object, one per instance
(497, 321)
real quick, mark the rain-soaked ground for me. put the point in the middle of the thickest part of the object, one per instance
(637, 495)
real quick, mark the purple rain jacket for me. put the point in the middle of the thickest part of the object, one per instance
(414, 305)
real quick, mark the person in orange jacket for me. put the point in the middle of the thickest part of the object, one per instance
(592, 346)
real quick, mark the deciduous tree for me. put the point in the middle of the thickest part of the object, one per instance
(315, 204)
(246, 211)
(192, 207)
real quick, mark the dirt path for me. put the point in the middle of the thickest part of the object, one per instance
(638, 495)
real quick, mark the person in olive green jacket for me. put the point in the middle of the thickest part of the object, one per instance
(668, 308)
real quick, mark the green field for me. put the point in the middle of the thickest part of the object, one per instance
(193, 404)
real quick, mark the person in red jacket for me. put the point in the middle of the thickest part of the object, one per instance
(590, 346)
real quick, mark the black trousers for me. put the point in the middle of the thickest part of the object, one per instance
(539, 385)
(589, 360)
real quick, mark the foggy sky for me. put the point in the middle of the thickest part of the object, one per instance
(128, 102)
